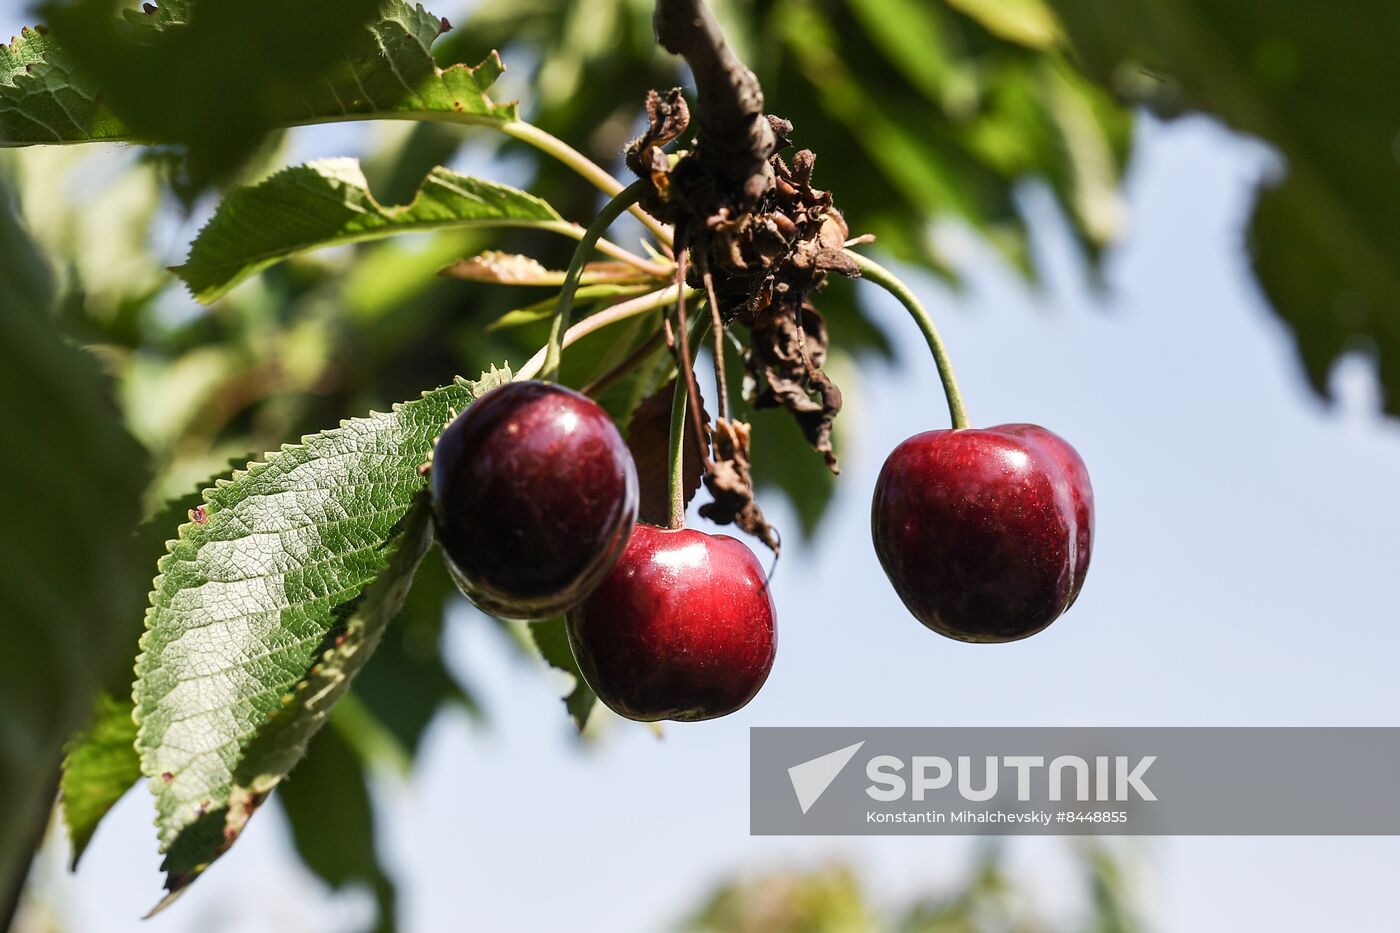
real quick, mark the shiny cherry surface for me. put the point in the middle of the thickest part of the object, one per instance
(681, 628)
(985, 533)
(534, 497)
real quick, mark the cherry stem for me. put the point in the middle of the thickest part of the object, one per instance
(717, 322)
(685, 367)
(588, 169)
(675, 458)
(610, 212)
(575, 232)
(886, 279)
(621, 311)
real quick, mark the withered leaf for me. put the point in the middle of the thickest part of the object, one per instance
(667, 119)
(788, 350)
(499, 268)
(730, 481)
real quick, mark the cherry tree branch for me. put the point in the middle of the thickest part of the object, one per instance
(736, 139)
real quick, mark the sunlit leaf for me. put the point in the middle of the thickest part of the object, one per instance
(499, 268)
(265, 608)
(327, 203)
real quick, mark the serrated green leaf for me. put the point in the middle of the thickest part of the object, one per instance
(42, 100)
(393, 75)
(215, 77)
(100, 767)
(328, 203)
(552, 641)
(267, 605)
(281, 743)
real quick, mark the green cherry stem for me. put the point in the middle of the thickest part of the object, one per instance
(886, 279)
(621, 311)
(586, 168)
(675, 458)
(610, 212)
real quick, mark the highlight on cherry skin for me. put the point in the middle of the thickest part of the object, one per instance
(681, 628)
(985, 533)
(534, 496)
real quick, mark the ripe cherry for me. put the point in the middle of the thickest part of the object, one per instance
(681, 627)
(534, 495)
(985, 534)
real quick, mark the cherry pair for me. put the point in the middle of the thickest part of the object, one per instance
(535, 500)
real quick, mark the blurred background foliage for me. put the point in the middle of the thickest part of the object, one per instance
(833, 899)
(923, 115)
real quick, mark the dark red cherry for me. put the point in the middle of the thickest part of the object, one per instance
(985, 534)
(680, 628)
(534, 496)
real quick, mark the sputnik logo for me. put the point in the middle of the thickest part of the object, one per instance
(811, 778)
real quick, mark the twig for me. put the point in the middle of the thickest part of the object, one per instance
(686, 370)
(717, 323)
(618, 312)
(610, 212)
(557, 148)
(736, 139)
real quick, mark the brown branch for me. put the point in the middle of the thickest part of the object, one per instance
(736, 139)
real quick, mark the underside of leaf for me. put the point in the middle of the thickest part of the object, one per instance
(267, 606)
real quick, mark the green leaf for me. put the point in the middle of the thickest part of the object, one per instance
(42, 100)
(1026, 22)
(330, 811)
(552, 640)
(70, 578)
(215, 77)
(544, 309)
(267, 605)
(328, 203)
(1314, 80)
(100, 767)
(100, 763)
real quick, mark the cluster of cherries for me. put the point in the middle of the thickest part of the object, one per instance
(985, 535)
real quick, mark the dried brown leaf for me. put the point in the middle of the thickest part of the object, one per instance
(499, 268)
(730, 482)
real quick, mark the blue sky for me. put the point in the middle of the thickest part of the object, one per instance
(1243, 574)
